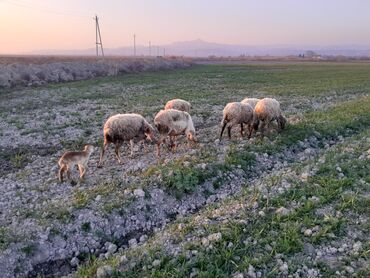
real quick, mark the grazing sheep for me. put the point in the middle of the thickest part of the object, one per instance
(121, 128)
(236, 113)
(266, 111)
(178, 104)
(171, 123)
(251, 101)
(71, 159)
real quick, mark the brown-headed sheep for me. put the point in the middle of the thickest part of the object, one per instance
(251, 101)
(178, 104)
(71, 159)
(122, 128)
(266, 111)
(171, 123)
(236, 113)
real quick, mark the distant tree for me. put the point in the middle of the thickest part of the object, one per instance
(311, 54)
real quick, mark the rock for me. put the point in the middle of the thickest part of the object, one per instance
(132, 242)
(75, 261)
(104, 271)
(205, 242)
(284, 267)
(314, 199)
(123, 259)
(282, 211)
(304, 176)
(349, 269)
(112, 248)
(357, 247)
(215, 237)
(98, 198)
(127, 192)
(156, 263)
(238, 275)
(261, 213)
(139, 193)
(143, 238)
(251, 272)
(308, 232)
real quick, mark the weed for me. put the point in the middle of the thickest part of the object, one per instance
(86, 227)
(18, 160)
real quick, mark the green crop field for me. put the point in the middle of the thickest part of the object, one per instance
(291, 204)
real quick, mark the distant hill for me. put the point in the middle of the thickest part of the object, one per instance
(200, 48)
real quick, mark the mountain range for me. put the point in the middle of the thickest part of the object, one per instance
(201, 48)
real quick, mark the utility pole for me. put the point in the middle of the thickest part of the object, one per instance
(150, 48)
(134, 45)
(164, 52)
(98, 40)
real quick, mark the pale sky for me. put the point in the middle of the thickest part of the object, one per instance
(27, 25)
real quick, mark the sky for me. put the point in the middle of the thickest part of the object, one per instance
(28, 25)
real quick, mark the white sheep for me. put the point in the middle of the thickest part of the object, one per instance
(236, 113)
(178, 104)
(266, 111)
(122, 128)
(251, 101)
(171, 123)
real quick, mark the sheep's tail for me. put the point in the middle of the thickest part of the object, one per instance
(225, 120)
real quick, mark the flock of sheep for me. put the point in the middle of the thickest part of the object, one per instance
(171, 122)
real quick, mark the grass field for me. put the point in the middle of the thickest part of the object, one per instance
(294, 203)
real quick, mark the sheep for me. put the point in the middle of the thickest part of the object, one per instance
(236, 113)
(71, 159)
(251, 101)
(178, 104)
(172, 122)
(125, 127)
(266, 111)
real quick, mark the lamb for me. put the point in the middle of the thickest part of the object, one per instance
(71, 159)
(171, 123)
(178, 104)
(236, 113)
(251, 101)
(266, 111)
(122, 128)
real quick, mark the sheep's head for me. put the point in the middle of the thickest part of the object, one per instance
(282, 122)
(149, 132)
(89, 148)
(190, 135)
(256, 123)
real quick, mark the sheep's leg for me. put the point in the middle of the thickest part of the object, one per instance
(263, 125)
(61, 171)
(117, 152)
(131, 148)
(82, 170)
(241, 130)
(172, 144)
(69, 173)
(222, 130)
(160, 141)
(144, 146)
(250, 130)
(229, 131)
(104, 148)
